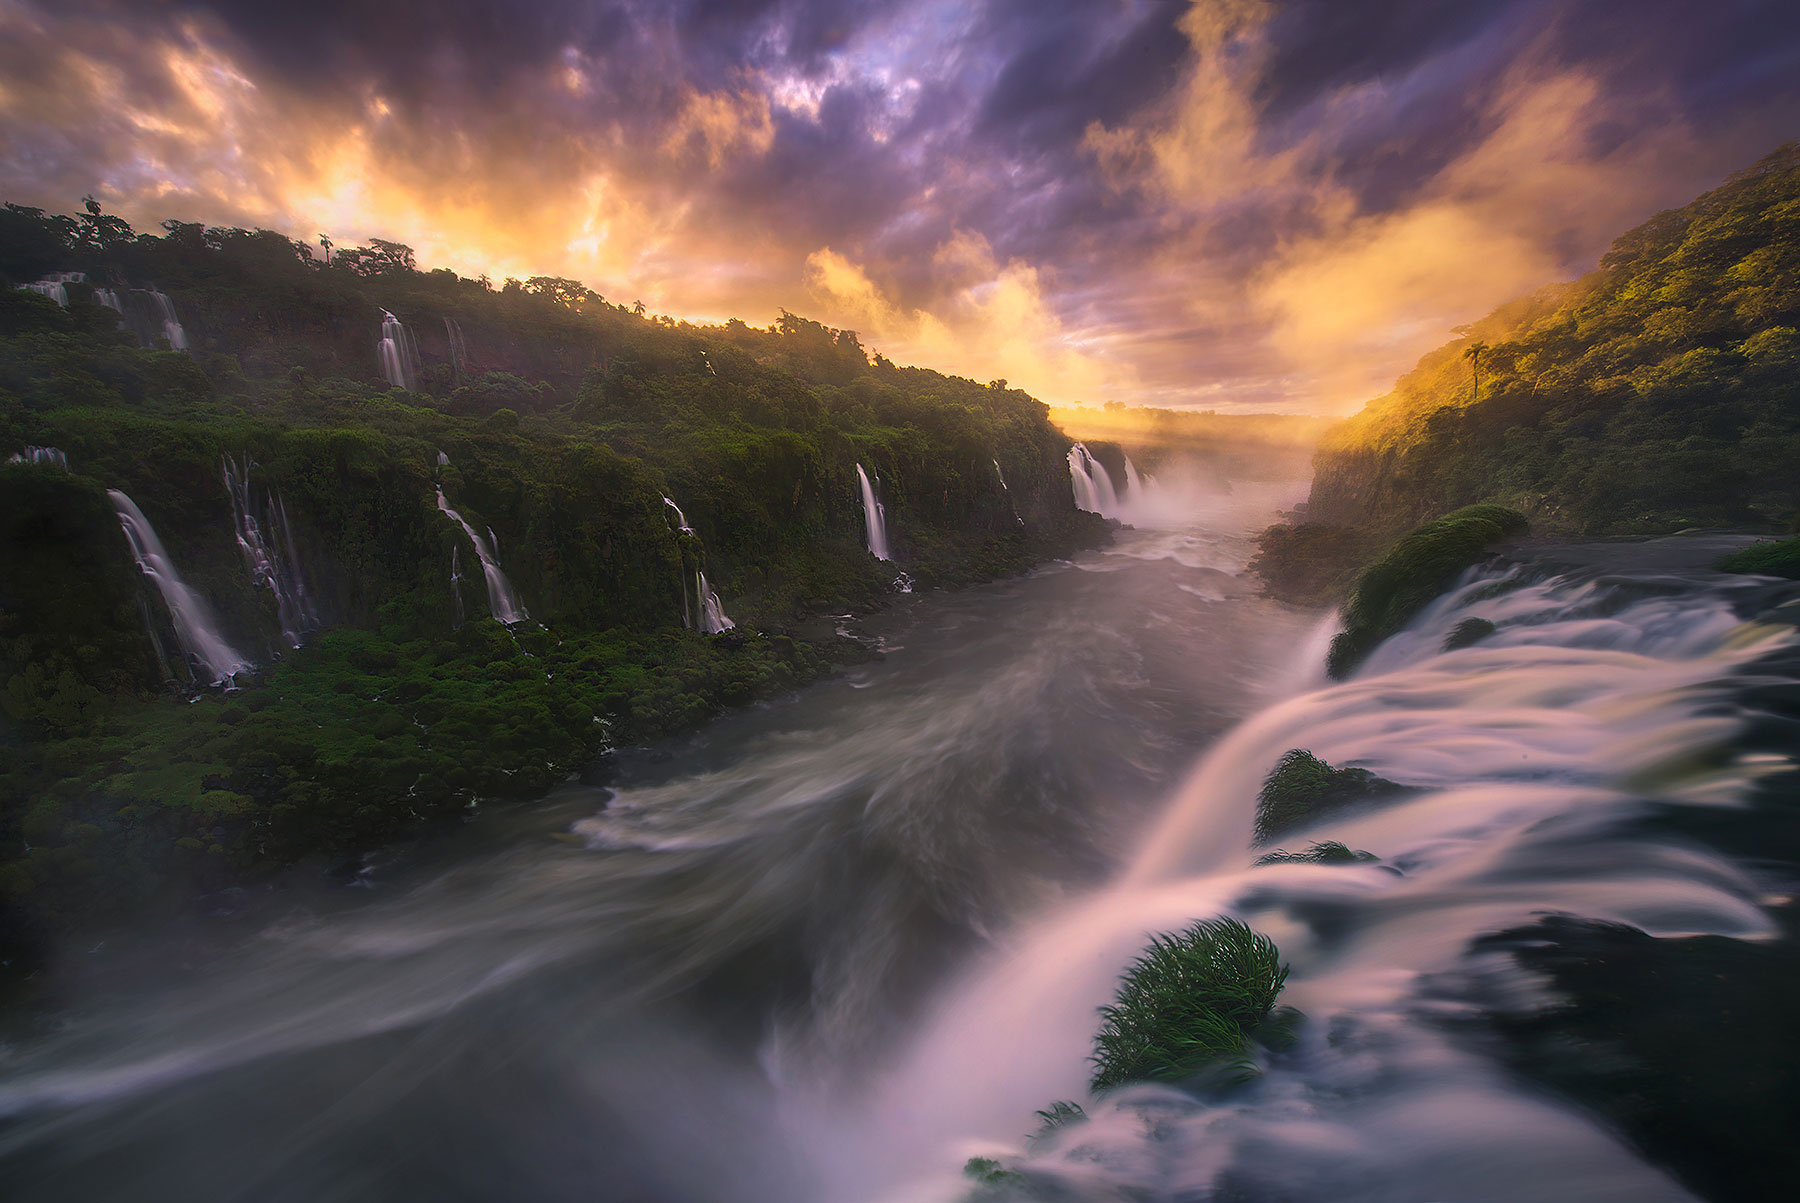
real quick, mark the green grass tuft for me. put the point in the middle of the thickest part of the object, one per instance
(1191, 1000)
(1303, 788)
(1766, 559)
(1468, 633)
(1413, 572)
(1328, 852)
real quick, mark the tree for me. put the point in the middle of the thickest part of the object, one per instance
(1473, 354)
(327, 244)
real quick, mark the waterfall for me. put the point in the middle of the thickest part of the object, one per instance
(456, 580)
(213, 660)
(399, 356)
(680, 518)
(40, 455)
(1093, 487)
(274, 566)
(874, 517)
(110, 299)
(503, 603)
(53, 286)
(459, 349)
(443, 460)
(1135, 482)
(712, 611)
(1009, 501)
(171, 325)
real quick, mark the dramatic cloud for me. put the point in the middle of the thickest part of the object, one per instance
(1226, 203)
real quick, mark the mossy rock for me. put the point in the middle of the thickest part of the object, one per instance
(1417, 569)
(1192, 1000)
(1327, 852)
(1468, 633)
(1766, 559)
(1304, 788)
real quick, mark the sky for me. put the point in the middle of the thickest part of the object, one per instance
(1219, 204)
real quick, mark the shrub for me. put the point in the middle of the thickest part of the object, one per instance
(1190, 1000)
(1415, 570)
(1303, 788)
(1468, 633)
(1766, 559)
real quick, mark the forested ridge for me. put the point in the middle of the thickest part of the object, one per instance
(553, 420)
(1660, 391)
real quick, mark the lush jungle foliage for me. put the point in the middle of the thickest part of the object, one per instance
(1661, 391)
(548, 417)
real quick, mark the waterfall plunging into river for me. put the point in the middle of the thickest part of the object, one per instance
(274, 564)
(874, 517)
(398, 353)
(1091, 483)
(213, 659)
(712, 610)
(503, 603)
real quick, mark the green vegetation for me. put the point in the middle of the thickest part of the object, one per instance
(1781, 558)
(1303, 788)
(1468, 633)
(1661, 391)
(1327, 852)
(1192, 999)
(1414, 571)
(1311, 563)
(564, 419)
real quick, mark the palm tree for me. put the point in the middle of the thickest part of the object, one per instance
(1473, 354)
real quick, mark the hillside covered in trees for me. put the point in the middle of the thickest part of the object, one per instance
(340, 459)
(1660, 391)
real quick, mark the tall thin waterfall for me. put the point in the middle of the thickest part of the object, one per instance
(212, 659)
(1093, 487)
(456, 580)
(274, 563)
(459, 350)
(1009, 501)
(40, 455)
(874, 517)
(712, 611)
(399, 355)
(503, 603)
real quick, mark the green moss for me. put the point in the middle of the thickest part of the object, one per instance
(1766, 559)
(1303, 788)
(1191, 1000)
(1416, 570)
(1468, 633)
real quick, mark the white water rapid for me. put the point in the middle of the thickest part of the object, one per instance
(214, 661)
(503, 603)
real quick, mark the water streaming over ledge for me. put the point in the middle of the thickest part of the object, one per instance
(213, 659)
(503, 602)
(398, 353)
(874, 517)
(273, 560)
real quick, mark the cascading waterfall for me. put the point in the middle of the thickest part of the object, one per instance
(712, 611)
(274, 566)
(503, 603)
(214, 661)
(1091, 482)
(681, 522)
(33, 454)
(874, 517)
(1528, 755)
(53, 286)
(110, 299)
(399, 355)
(459, 350)
(165, 314)
(456, 581)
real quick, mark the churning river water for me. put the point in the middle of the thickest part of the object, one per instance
(831, 947)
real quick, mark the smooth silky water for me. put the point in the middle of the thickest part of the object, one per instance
(831, 947)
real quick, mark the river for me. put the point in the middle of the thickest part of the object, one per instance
(830, 947)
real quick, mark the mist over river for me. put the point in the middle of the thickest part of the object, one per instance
(831, 947)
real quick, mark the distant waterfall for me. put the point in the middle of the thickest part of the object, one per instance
(399, 355)
(874, 518)
(1093, 487)
(110, 299)
(52, 286)
(171, 325)
(680, 518)
(503, 603)
(1009, 500)
(459, 350)
(212, 658)
(40, 455)
(456, 580)
(274, 564)
(712, 611)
